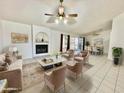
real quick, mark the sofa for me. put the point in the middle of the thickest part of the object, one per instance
(13, 74)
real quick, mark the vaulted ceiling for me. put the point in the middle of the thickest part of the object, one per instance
(92, 13)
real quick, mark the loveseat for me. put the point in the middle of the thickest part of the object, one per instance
(13, 74)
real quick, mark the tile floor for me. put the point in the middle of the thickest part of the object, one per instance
(103, 77)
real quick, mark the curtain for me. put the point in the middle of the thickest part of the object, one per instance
(61, 42)
(83, 43)
(68, 42)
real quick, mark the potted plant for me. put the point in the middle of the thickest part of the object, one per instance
(116, 52)
(87, 44)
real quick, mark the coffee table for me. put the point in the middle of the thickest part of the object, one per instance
(51, 62)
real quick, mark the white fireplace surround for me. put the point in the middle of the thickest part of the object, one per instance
(40, 37)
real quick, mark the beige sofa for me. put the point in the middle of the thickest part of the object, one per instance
(13, 74)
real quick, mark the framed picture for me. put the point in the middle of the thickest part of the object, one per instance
(19, 38)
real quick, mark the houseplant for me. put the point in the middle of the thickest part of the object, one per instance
(116, 52)
(87, 44)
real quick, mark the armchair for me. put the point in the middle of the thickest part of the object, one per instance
(86, 58)
(82, 57)
(55, 80)
(76, 69)
(69, 54)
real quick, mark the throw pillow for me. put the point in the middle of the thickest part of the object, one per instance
(2, 57)
(8, 59)
(3, 68)
(2, 63)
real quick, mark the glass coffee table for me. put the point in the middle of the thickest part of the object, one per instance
(51, 62)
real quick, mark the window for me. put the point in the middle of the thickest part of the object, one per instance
(76, 43)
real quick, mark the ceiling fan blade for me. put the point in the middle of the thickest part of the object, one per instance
(51, 19)
(72, 15)
(71, 21)
(49, 14)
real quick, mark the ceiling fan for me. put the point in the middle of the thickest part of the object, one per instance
(61, 13)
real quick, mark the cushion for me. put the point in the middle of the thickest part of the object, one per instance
(80, 54)
(79, 58)
(2, 57)
(3, 66)
(8, 59)
(16, 65)
(2, 63)
(84, 54)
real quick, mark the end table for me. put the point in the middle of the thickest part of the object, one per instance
(3, 86)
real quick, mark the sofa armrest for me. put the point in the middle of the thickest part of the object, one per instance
(14, 78)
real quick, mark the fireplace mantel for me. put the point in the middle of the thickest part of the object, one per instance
(40, 43)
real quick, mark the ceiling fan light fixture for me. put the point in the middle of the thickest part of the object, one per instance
(67, 16)
(60, 17)
(65, 21)
(56, 21)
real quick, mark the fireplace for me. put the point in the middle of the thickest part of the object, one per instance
(40, 49)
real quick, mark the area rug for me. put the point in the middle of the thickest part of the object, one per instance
(33, 74)
(86, 67)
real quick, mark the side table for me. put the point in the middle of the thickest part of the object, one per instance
(3, 86)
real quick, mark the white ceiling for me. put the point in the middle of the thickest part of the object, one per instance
(92, 13)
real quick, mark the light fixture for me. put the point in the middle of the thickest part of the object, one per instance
(57, 21)
(65, 21)
(60, 17)
(13, 50)
(61, 20)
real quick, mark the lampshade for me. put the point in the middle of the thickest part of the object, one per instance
(13, 49)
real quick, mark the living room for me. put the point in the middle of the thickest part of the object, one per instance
(61, 46)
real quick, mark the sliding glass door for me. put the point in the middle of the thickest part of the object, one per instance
(76, 43)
